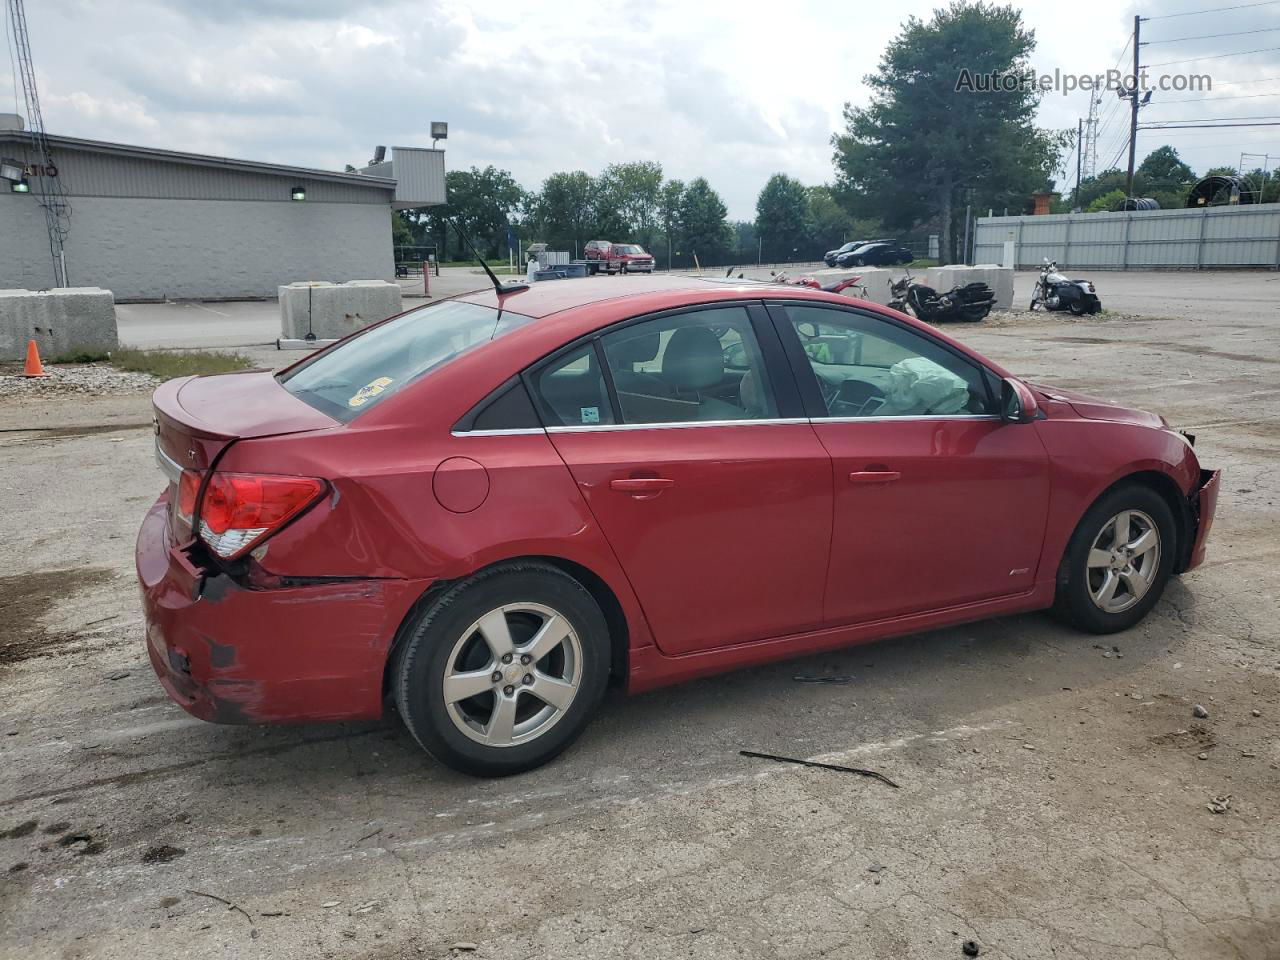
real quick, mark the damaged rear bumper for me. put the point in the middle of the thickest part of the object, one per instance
(1204, 504)
(227, 653)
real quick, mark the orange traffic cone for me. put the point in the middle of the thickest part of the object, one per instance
(33, 368)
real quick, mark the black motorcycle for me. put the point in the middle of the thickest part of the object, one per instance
(969, 302)
(1054, 291)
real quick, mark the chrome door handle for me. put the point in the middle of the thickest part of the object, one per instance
(642, 484)
(874, 476)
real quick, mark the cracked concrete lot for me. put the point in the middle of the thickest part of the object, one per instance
(1055, 788)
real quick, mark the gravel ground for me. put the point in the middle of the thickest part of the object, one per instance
(71, 379)
(1061, 796)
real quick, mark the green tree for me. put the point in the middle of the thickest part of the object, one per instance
(831, 223)
(483, 202)
(1109, 201)
(1091, 188)
(782, 219)
(670, 196)
(703, 227)
(632, 192)
(1163, 176)
(564, 212)
(931, 141)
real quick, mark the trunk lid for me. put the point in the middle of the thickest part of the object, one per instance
(197, 417)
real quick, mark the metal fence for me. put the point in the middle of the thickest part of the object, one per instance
(1184, 239)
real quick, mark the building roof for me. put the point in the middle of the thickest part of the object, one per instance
(199, 159)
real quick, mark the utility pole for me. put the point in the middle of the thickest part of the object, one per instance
(48, 186)
(1133, 108)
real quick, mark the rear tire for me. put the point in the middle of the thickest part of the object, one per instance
(482, 714)
(1112, 578)
(1077, 308)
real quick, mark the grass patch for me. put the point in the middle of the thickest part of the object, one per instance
(81, 355)
(168, 364)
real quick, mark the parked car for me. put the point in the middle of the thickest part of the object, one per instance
(596, 253)
(630, 258)
(829, 258)
(487, 509)
(878, 254)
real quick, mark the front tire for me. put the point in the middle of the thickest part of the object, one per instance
(502, 672)
(1118, 561)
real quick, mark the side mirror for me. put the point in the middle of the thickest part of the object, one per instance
(1017, 402)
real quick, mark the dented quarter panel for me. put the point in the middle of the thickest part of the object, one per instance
(230, 654)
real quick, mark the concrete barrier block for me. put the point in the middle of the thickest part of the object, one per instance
(61, 321)
(999, 279)
(332, 310)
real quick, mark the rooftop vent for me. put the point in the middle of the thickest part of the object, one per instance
(11, 121)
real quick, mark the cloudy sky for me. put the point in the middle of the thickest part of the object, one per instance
(731, 91)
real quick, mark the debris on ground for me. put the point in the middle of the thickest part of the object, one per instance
(1199, 712)
(821, 766)
(845, 679)
(464, 947)
(164, 853)
(1219, 804)
(971, 948)
(229, 904)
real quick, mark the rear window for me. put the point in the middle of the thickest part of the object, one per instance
(362, 372)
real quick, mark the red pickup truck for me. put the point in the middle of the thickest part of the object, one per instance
(618, 257)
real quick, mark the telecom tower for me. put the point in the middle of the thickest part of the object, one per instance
(1089, 157)
(48, 187)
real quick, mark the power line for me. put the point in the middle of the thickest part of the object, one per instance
(1217, 56)
(1261, 116)
(1214, 126)
(1195, 13)
(1212, 36)
(1243, 96)
(1236, 83)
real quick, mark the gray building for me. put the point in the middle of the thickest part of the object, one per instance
(153, 224)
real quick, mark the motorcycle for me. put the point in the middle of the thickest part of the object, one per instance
(1057, 292)
(838, 286)
(970, 302)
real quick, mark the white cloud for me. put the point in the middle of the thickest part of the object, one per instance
(728, 90)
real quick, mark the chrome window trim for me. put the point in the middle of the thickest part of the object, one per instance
(914, 416)
(674, 425)
(512, 432)
(684, 424)
(168, 466)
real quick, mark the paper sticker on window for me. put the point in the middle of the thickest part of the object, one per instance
(369, 391)
(590, 414)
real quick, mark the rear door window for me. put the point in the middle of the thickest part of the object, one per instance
(359, 373)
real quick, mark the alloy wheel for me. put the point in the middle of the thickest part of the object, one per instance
(1123, 561)
(513, 674)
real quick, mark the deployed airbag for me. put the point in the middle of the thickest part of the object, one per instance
(919, 386)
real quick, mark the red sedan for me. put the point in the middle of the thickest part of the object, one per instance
(484, 511)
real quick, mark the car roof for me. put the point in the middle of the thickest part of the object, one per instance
(546, 297)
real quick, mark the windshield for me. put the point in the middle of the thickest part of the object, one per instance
(628, 248)
(363, 371)
(850, 246)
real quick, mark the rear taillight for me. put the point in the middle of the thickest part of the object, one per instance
(188, 490)
(240, 510)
